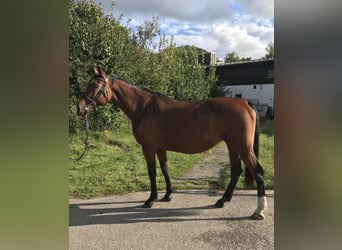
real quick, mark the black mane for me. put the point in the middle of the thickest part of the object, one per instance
(140, 87)
(150, 91)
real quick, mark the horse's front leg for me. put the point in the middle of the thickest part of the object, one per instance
(151, 166)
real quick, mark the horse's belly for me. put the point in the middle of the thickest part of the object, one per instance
(190, 146)
(187, 135)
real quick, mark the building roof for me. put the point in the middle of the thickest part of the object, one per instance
(246, 73)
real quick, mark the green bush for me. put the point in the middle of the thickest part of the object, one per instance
(142, 56)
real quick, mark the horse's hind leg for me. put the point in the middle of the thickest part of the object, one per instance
(257, 172)
(235, 173)
(165, 170)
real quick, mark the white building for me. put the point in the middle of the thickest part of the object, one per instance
(252, 80)
(261, 95)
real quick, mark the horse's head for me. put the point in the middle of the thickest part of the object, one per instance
(98, 93)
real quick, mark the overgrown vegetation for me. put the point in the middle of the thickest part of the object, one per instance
(140, 55)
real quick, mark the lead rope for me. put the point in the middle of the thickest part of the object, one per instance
(86, 141)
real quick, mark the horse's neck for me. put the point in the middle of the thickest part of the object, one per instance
(130, 99)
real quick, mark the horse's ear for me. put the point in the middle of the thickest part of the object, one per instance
(102, 73)
(95, 71)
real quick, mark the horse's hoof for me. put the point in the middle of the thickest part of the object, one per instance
(257, 216)
(166, 198)
(219, 204)
(147, 204)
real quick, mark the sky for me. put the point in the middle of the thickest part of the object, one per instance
(220, 26)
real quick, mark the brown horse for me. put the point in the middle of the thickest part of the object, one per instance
(161, 123)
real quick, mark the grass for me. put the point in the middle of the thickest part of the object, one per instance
(266, 151)
(115, 164)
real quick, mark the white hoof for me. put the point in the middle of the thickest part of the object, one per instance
(262, 206)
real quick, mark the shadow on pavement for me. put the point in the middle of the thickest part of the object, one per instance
(96, 213)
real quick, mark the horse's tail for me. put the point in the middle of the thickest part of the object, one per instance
(248, 176)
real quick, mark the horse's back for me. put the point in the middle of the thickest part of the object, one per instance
(217, 106)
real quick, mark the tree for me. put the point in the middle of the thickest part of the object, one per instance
(140, 55)
(270, 51)
(233, 57)
(94, 40)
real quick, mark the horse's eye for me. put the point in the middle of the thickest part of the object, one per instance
(93, 85)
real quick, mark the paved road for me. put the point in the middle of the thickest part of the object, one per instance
(189, 221)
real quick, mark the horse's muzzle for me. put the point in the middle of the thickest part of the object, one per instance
(81, 109)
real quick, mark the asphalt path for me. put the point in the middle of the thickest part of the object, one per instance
(189, 221)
